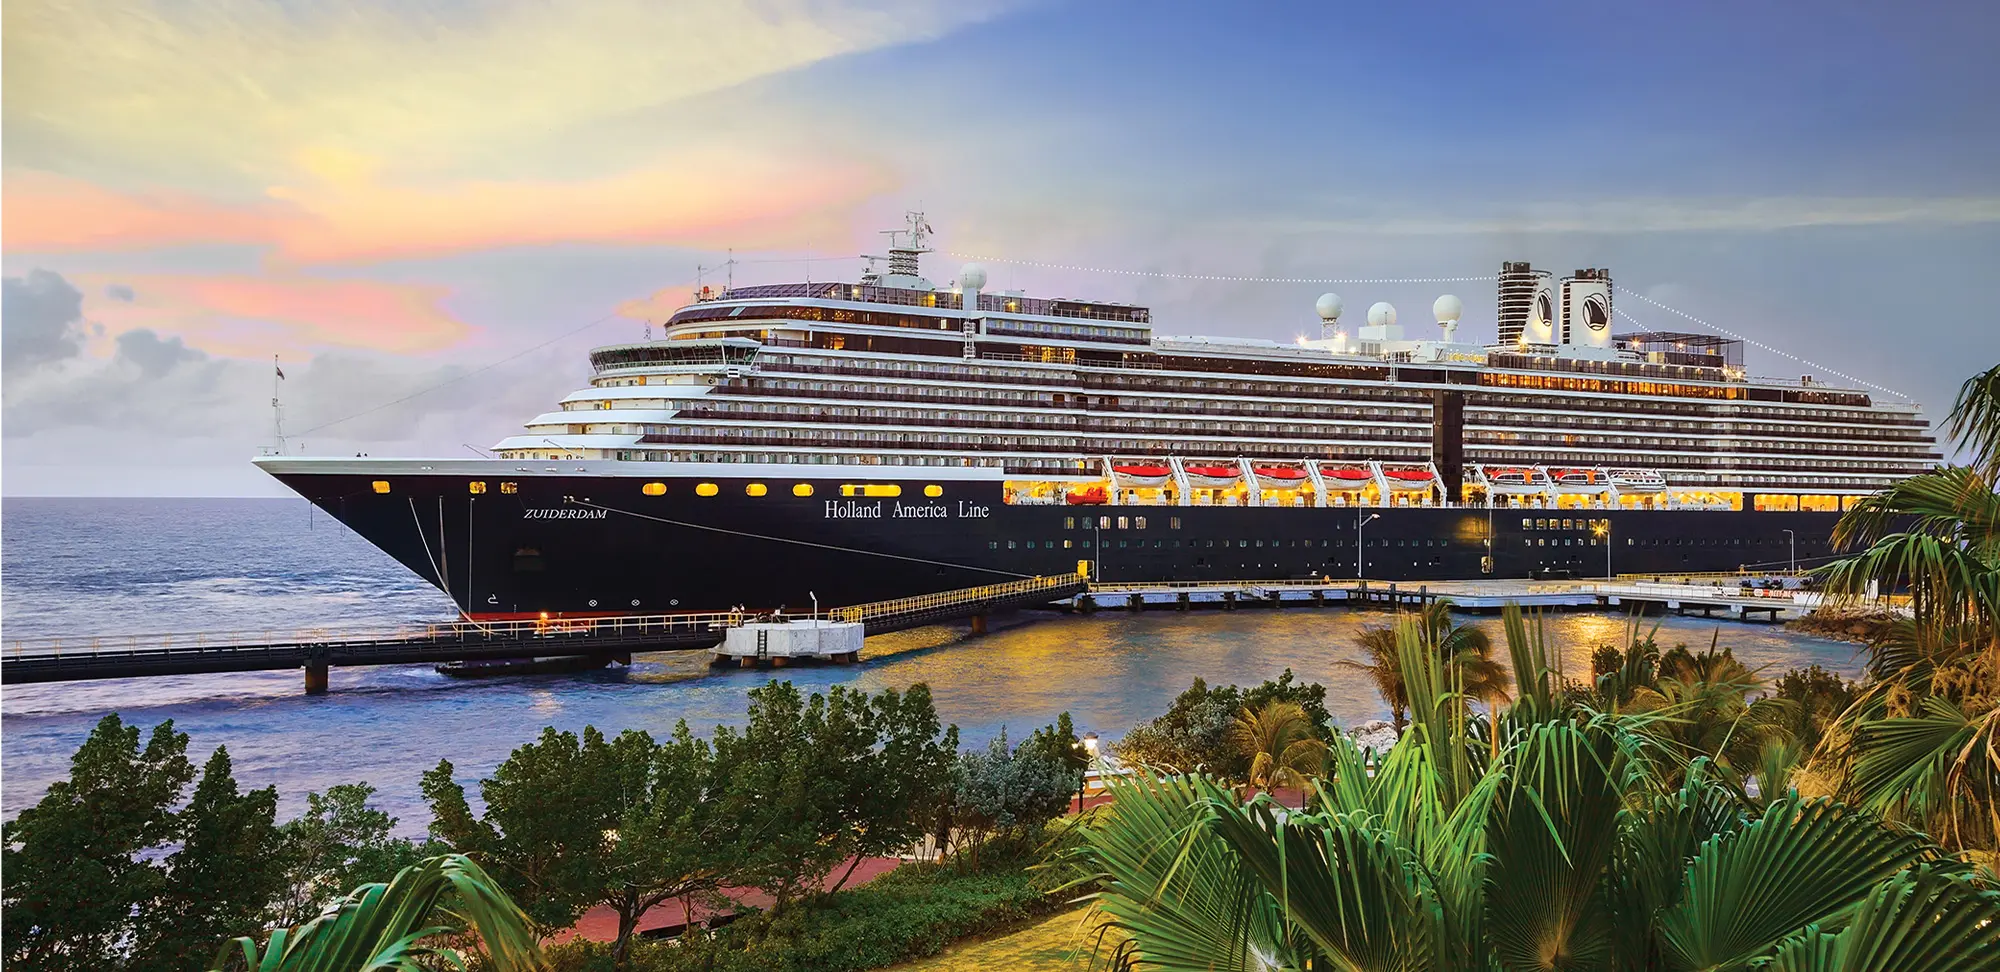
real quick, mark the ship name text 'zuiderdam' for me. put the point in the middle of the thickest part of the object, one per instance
(888, 436)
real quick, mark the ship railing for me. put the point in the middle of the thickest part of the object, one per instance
(433, 633)
(945, 599)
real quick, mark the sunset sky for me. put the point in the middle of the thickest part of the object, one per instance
(400, 199)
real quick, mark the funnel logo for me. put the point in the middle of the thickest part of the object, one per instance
(1594, 313)
(1545, 310)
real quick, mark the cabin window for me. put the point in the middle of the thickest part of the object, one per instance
(381, 485)
(475, 487)
(1069, 523)
(802, 489)
(756, 489)
(706, 489)
(934, 491)
(510, 488)
(654, 489)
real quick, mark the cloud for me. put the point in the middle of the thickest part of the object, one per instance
(255, 315)
(1659, 216)
(180, 88)
(707, 197)
(119, 292)
(152, 354)
(41, 322)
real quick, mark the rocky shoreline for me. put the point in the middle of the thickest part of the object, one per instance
(1860, 627)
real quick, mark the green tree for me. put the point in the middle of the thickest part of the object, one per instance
(222, 878)
(573, 822)
(1192, 734)
(401, 926)
(75, 862)
(903, 778)
(1567, 847)
(1310, 697)
(1278, 742)
(1003, 790)
(1464, 647)
(339, 843)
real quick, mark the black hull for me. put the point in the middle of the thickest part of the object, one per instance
(584, 545)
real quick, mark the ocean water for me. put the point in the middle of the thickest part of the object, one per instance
(74, 567)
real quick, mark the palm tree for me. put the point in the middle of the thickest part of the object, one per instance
(1919, 743)
(1279, 741)
(1464, 647)
(385, 927)
(1569, 849)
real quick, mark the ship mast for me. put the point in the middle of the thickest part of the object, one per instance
(277, 410)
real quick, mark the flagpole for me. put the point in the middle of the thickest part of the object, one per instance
(277, 411)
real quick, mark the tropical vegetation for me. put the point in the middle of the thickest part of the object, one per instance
(1548, 833)
(1918, 745)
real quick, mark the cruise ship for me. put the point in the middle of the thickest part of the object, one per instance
(833, 443)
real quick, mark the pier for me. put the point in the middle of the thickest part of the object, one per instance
(314, 651)
(1482, 596)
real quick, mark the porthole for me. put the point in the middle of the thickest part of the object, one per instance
(802, 489)
(705, 489)
(654, 489)
(381, 485)
(756, 489)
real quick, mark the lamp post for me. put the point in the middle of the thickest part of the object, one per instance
(1358, 524)
(1090, 756)
(1794, 539)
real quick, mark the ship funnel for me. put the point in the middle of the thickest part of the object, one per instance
(1586, 308)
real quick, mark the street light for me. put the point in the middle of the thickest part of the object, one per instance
(1083, 779)
(1358, 524)
(1794, 538)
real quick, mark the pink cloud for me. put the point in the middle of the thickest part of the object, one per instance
(345, 214)
(252, 315)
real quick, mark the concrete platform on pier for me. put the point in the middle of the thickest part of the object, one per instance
(779, 643)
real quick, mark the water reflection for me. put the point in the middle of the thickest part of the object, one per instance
(1110, 670)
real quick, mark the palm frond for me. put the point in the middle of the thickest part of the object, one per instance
(1923, 919)
(1974, 422)
(1553, 833)
(389, 927)
(1802, 862)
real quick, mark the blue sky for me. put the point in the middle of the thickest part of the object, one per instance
(389, 195)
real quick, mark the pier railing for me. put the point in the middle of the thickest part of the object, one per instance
(422, 633)
(1060, 585)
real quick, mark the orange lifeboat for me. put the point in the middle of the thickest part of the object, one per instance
(1143, 474)
(1279, 477)
(1087, 496)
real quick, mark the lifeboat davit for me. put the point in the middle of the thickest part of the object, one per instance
(1579, 481)
(1638, 481)
(1087, 496)
(1143, 474)
(1213, 477)
(1279, 477)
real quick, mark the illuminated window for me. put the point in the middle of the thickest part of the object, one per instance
(933, 491)
(1069, 523)
(1104, 523)
(475, 487)
(871, 489)
(1066, 544)
(654, 489)
(381, 485)
(705, 489)
(510, 488)
(1139, 522)
(802, 489)
(755, 489)
(1124, 523)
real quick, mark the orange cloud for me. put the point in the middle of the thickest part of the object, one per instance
(658, 305)
(243, 315)
(345, 214)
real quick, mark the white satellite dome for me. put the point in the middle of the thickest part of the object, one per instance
(1382, 314)
(1448, 308)
(972, 277)
(1329, 307)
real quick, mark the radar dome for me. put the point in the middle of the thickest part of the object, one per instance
(1448, 308)
(1382, 314)
(972, 277)
(1329, 307)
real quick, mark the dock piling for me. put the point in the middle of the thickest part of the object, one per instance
(315, 678)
